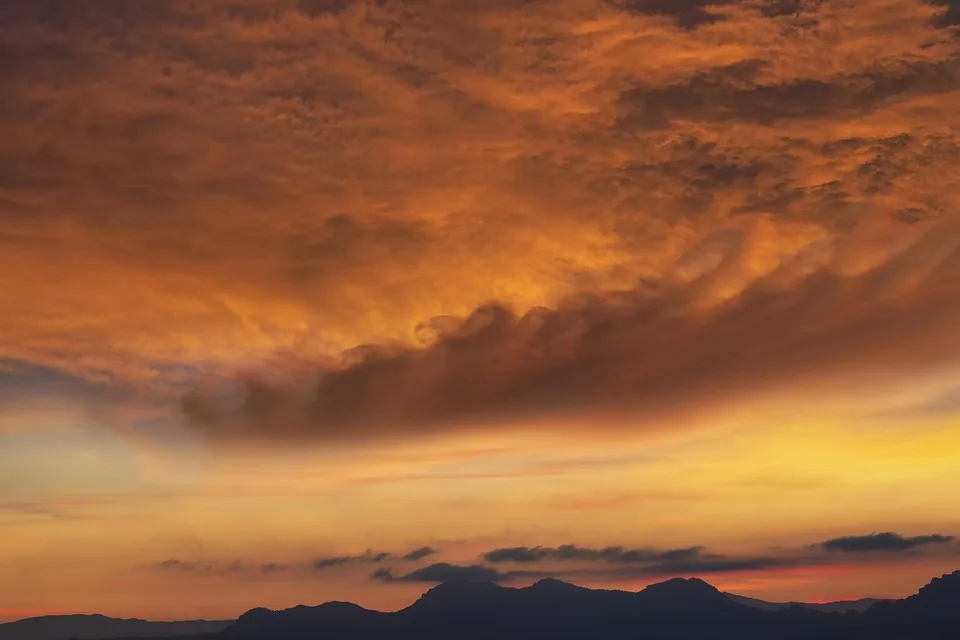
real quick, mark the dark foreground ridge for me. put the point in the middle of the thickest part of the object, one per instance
(549, 610)
(679, 609)
(97, 627)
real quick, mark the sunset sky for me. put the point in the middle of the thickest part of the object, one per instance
(308, 300)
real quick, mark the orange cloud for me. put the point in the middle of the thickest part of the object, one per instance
(650, 350)
(323, 175)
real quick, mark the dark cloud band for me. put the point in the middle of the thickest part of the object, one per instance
(886, 542)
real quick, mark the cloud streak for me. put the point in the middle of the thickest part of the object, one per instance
(444, 572)
(571, 561)
(221, 567)
(620, 563)
(420, 554)
(883, 542)
(570, 552)
(338, 561)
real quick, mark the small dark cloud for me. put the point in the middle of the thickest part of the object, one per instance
(368, 557)
(443, 572)
(882, 542)
(206, 567)
(419, 554)
(570, 552)
(335, 561)
(173, 564)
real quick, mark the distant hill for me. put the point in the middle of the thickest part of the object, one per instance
(841, 606)
(97, 627)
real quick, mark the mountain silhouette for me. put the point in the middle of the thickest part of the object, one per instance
(841, 606)
(679, 609)
(98, 627)
(681, 592)
(933, 612)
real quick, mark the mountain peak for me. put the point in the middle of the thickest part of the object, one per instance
(460, 589)
(939, 590)
(257, 613)
(552, 585)
(464, 586)
(685, 593)
(683, 587)
(459, 597)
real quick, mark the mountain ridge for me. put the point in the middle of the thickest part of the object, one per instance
(840, 606)
(676, 609)
(96, 626)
